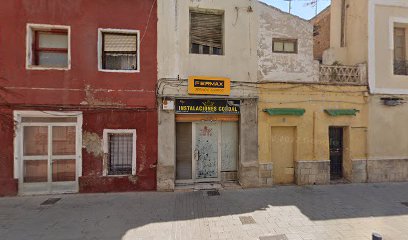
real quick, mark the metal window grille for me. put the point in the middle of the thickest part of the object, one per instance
(120, 153)
(336, 152)
(400, 67)
(119, 51)
(206, 32)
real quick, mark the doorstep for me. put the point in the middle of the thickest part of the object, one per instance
(189, 187)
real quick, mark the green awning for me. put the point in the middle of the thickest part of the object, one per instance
(341, 112)
(285, 111)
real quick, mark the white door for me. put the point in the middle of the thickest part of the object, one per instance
(49, 157)
(204, 150)
(206, 154)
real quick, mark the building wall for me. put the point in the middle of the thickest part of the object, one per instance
(107, 100)
(7, 182)
(311, 150)
(239, 59)
(176, 64)
(275, 67)
(321, 33)
(388, 142)
(145, 123)
(83, 84)
(355, 50)
(384, 79)
(370, 38)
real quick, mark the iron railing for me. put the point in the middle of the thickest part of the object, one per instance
(343, 74)
(400, 67)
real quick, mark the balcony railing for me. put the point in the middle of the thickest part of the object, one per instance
(343, 74)
(400, 67)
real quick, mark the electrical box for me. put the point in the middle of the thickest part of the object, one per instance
(168, 105)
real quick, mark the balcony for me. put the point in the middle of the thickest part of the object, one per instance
(342, 74)
(400, 67)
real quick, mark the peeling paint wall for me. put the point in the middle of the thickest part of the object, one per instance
(145, 123)
(92, 143)
(278, 67)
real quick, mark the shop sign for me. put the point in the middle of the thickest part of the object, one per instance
(203, 106)
(209, 86)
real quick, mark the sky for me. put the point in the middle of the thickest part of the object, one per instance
(299, 7)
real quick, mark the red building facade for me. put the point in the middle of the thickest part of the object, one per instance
(77, 92)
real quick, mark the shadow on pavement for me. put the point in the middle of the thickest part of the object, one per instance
(111, 216)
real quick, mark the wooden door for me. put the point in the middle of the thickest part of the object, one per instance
(282, 153)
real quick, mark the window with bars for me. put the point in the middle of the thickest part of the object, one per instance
(120, 152)
(49, 48)
(280, 45)
(206, 32)
(120, 51)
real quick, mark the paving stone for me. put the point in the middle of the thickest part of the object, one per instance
(352, 211)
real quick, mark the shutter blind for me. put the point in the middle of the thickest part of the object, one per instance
(206, 29)
(120, 43)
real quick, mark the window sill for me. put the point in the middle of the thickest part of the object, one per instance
(202, 54)
(285, 52)
(47, 68)
(118, 71)
(126, 175)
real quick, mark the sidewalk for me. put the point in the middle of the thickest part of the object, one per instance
(351, 212)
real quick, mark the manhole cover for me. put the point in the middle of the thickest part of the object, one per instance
(405, 204)
(213, 193)
(247, 220)
(275, 237)
(50, 201)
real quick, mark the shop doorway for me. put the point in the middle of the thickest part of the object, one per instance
(336, 152)
(206, 151)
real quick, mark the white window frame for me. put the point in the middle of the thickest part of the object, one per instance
(112, 30)
(106, 133)
(29, 45)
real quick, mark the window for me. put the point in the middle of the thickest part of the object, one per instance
(120, 151)
(119, 50)
(400, 62)
(206, 32)
(284, 45)
(48, 47)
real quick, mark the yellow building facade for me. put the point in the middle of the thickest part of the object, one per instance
(294, 128)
